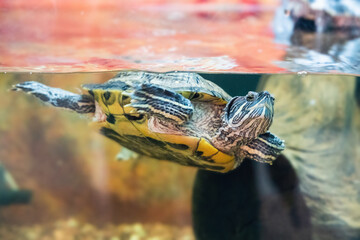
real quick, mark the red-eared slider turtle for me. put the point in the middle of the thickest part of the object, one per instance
(322, 36)
(175, 116)
(319, 15)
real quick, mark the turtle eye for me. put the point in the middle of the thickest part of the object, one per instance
(251, 96)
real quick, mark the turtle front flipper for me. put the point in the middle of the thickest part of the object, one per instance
(152, 99)
(265, 148)
(58, 97)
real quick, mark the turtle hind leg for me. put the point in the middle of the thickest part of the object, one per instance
(58, 97)
(162, 102)
(265, 148)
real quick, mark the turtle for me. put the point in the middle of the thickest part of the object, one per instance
(321, 16)
(322, 36)
(176, 116)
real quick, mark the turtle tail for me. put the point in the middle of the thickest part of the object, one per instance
(58, 97)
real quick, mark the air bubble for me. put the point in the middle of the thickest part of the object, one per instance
(302, 73)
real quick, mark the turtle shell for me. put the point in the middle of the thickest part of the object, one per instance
(190, 85)
(131, 129)
(331, 7)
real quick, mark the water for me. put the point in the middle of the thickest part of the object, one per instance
(62, 180)
(243, 37)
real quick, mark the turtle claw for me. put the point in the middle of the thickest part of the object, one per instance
(39, 90)
(24, 86)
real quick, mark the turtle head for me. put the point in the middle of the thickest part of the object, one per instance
(250, 115)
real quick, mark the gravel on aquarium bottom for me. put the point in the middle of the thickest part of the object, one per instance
(72, 229)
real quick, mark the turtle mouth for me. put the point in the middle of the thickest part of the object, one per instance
(99, 115)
